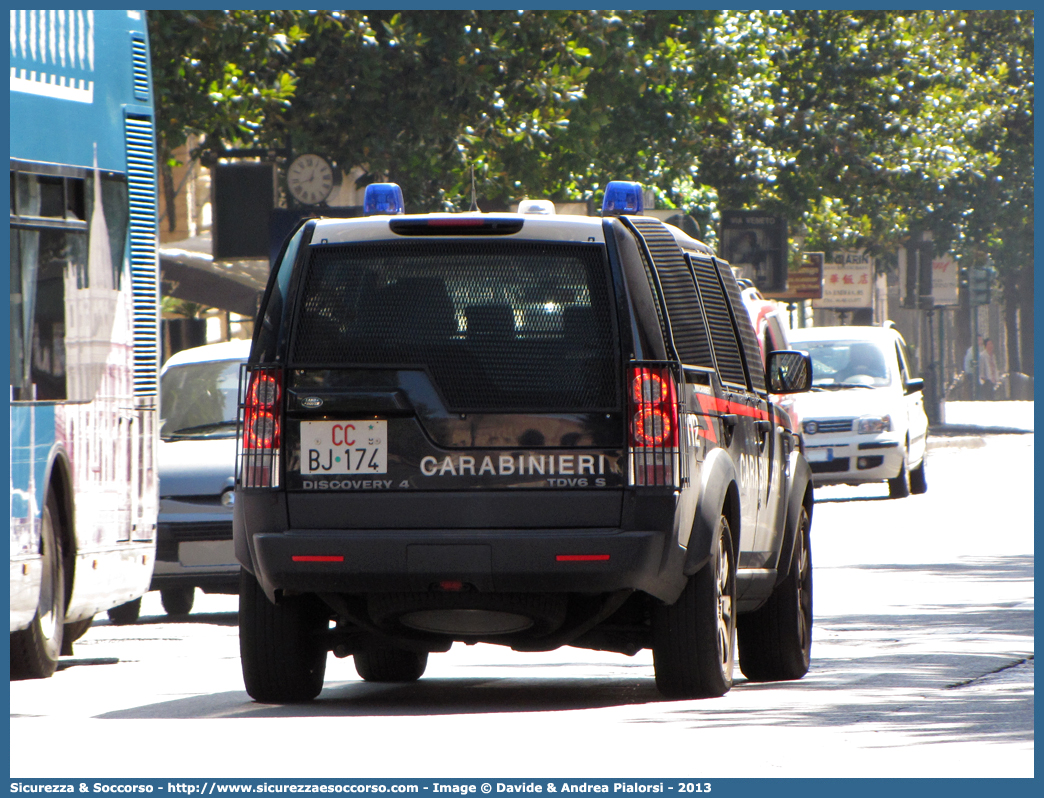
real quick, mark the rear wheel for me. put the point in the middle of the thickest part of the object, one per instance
(35, 651)
(775, 642)
(282, 657)
(124, 614)
(390, 665)
(899, 487)
(694, 638)
(918, 481)
(177, 600)
(73, 632)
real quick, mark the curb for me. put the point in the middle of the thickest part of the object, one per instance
(945, 430)
(956, 442)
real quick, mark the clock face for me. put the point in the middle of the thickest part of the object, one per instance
(310, 179)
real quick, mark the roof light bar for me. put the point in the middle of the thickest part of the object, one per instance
(384, 199)
(622, 198)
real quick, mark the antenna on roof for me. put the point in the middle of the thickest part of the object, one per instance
(474, 201)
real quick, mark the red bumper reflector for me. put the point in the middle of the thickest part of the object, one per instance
(318, 558)
(581, 557)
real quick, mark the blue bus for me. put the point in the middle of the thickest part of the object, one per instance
(84, 326)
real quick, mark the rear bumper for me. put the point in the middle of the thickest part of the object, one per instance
(196, 554)
(226, 581)
(495, 541)
(509, 561)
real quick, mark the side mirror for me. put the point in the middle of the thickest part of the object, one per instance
(789, 371)
(913, 386)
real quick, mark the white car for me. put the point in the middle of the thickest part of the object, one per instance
(864, 420)
(199, 391)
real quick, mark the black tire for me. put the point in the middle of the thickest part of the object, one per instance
(283, 660)
(694, 639)
(125, 614)
(177, 601)
(918, 481)
(390, 665)
(775, 641)
(35, 650)
(899, 487)
(73, 632)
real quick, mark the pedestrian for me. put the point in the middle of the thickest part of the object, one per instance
(988, 372)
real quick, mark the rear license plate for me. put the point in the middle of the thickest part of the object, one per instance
(344, 447)
(819, 455)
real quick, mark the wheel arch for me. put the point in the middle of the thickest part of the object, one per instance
(719, 493)
(801, 496)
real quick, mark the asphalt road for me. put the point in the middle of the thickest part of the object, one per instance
(922, 666)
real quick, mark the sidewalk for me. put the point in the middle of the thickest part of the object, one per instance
(990, 418)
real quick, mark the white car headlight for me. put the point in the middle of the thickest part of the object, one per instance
(871, 424)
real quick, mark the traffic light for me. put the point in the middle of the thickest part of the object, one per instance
(980, 281)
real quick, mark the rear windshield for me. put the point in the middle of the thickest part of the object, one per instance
(499, 326)
(199, 400)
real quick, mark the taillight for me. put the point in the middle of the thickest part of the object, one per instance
(262, 420)
(653, 411)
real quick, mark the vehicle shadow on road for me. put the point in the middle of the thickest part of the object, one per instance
(938, 673)
(848, 499)
(994, 708)
(429, 696)
(1015, 568)
(212, 618)
(957, 672)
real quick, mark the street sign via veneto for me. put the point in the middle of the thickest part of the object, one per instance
(755, 245)
(848, 281)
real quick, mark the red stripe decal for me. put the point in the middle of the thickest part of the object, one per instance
(707, 405)
(318, 558)
(581, 557)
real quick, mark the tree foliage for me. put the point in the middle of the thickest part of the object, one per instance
(858, 127)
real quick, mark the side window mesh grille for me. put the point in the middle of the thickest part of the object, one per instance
(723, 336)
(748, 338)
(679, 293)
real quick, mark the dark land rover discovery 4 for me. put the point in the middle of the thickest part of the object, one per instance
(531, 430)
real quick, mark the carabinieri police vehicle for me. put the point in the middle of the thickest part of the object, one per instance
(526, 429)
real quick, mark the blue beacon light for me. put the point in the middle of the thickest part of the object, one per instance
(622, 198)
(383, 198)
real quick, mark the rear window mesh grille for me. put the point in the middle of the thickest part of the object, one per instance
(679, 293)
(723, 335)
(499, 326)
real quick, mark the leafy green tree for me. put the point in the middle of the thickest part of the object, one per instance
(997, 206)
(853, 124)
(858, 127)
(223, 74)
(411, 95)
